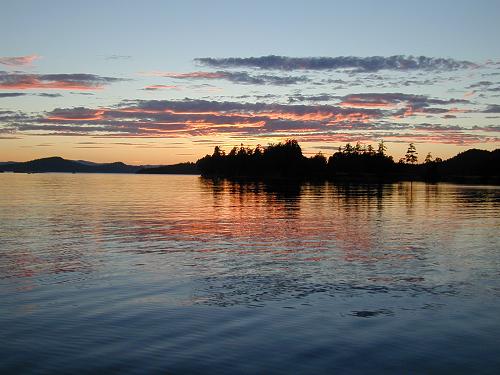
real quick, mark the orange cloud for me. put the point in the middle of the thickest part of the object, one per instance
(181, 118)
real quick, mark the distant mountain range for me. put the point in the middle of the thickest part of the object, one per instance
(58, 164)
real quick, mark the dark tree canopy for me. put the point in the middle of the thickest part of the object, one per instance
(358, 162)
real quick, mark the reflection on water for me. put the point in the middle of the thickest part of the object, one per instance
(181, 274)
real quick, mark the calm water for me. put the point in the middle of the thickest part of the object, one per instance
(176, 275)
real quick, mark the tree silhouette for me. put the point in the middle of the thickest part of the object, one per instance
(370, 150)
(358, 148)
(411, 156)
(358, 163)
(428, 158)
(381, 148)
(348, 149)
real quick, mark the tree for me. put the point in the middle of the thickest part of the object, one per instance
(258, 151)
(381, 148)
(370, 150)
(217, 152)
(411, 156)
(358, 148)
(348, 149)
(428, 158)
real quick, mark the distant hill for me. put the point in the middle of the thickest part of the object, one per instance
(472, 162)
(181, 168)
(58, 164)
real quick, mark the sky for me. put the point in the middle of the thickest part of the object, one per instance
(159, 82)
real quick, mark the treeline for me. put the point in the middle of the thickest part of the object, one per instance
(353, 162)
(180, 168)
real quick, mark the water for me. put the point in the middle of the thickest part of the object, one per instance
(176, 275)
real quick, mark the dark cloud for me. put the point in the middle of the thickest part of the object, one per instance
(357, 64)
(480, 84)
(49, 95)
(11, 94)
(492, 108)
(76, 113)
(384, 99)
(402, 105)
(80, 78)
(311, 98)
(14, 94)
(264, 79)
(242, 77)
(488, 128)
(437, 127)
(485, 86)
(78, 81)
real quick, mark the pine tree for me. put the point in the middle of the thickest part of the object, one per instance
(381, 148)
(411, 156)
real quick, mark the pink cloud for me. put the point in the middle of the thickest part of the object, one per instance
(306, 123)
(79, 81)
(18, 60)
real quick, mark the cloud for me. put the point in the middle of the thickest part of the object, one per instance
(161, 87)
(492, 108)
(391, 99)
(480, 84)
(488, 128)
(19, 60)
(49, 95)
(76, 113)
(357, 64)
(311, 98)
(437, 127)
(118, 57)
(240, 77)
(193, 118)
(190, 75)
(163, 118)
(16, 94)
(484, 86)
(80, 81)
(404, 105)
(452, 138)
(11, 94)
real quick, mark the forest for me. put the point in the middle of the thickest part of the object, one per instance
(285, 160)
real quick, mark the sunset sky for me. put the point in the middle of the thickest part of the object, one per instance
(158, 82)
